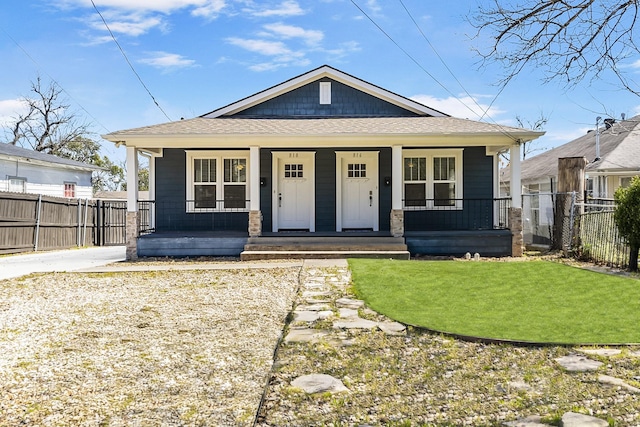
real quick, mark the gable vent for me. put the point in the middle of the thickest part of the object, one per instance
(325, 92)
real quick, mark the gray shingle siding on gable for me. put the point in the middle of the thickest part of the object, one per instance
(345, 102)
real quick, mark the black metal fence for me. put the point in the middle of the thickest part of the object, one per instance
(456, 214)
(596, 236)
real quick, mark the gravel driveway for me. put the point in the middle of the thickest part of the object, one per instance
(169, 348)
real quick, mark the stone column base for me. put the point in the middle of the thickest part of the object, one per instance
(397, 222)
(131, 236)
(517, 237)
(255, 223)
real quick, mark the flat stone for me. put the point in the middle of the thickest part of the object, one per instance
(577, 363)
(305, 316)
(572, 419)
(606, 379)
(312, 301)
(634, 353)
(519, 386)
(325, 314)
(347, 312)
(530, 421)
(314, 294)
(606, 352)
(304, 335)
(355, 324)
(314, 307)
(319, 383)
(349, 303)
(392, 328)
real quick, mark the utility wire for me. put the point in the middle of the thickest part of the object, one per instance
(129, 62)
(485, 112)
(39, 67)
(424, 36)
(500, 127)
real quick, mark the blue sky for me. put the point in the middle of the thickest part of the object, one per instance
(197, 55)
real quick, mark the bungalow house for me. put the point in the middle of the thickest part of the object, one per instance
(613, 158)
(321, 164)
(28, 171)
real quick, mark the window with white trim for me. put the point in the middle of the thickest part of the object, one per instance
(17, 185)
(217, 180)
(69, 189)
(432, 179)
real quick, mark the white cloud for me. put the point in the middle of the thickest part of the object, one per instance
(11, 108)
(566, 135)
(163, 6)
(167, 61)
(263, 47)
(210, 10)
(286, 8)
(281, 55)
(311, 37)
(374, 6)
(132, 24)
(462, 106)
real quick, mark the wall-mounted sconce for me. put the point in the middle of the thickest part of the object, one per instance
(263, 182)
(387, 181)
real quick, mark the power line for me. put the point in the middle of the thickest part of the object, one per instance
(129, 62)
(500, 127)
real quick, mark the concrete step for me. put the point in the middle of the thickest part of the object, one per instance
(311, 246)
(326, 243)
(259, 255)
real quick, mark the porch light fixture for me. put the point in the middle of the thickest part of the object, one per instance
(387, 181)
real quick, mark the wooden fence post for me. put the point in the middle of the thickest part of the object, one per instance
(36, 234)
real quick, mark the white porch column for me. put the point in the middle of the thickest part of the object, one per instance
(132, 179)
(396, 177)
(516, 183)
(254, 178)
(396, 220)
(131, 232)
(255, 216)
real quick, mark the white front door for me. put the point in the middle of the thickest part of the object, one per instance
(357, 190)
(293, 192)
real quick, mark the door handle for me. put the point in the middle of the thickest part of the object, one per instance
(279, 200)
(370, 198)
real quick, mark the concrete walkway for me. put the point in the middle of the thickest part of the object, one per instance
(66, 260)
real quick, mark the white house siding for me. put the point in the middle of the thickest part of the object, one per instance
(47, 180)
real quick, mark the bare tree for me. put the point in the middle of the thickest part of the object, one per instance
(571, 40)
(537, 125)
(48, 125)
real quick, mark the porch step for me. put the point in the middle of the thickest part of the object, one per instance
(282, 247)
(258, 255)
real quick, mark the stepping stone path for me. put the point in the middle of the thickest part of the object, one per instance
(322, 298)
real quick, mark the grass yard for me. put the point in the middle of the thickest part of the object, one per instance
(534, 301)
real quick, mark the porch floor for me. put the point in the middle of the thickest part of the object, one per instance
(301, 244)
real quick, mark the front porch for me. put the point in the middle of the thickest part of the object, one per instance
(494, 242)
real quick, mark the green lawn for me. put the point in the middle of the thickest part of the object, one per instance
(536, 301)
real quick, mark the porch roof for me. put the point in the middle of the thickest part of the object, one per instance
(239, 128)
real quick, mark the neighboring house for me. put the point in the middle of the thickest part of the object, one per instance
(322, 154)
(612, 153)
(28, 171)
